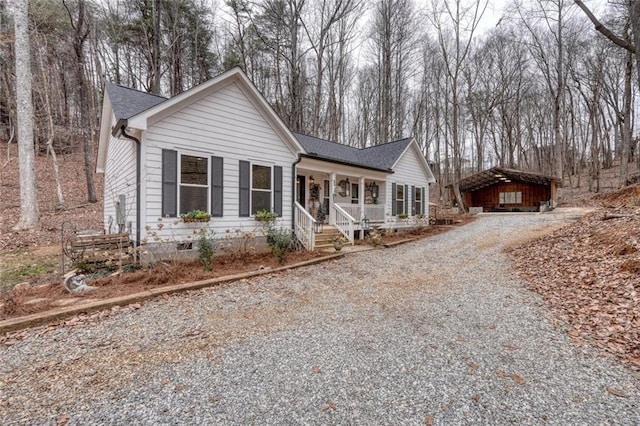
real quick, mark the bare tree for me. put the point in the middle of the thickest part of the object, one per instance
(81, 29)
(456, 22)
(29, 214)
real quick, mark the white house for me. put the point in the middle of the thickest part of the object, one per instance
(221, 148)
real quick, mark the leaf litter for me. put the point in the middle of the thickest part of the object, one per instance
(589, 274)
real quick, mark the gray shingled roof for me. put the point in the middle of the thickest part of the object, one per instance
(381, 157)
(127, 102)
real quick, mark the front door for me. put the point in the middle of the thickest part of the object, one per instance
(301, 185)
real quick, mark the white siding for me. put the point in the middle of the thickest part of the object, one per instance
(224, 124)
(120, 179)
(408, 171)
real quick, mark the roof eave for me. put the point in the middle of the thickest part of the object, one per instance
(105, 134)
(344, 163)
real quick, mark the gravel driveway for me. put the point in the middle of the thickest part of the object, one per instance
(439, 330)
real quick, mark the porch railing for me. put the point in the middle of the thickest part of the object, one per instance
(344, 223)
(373, 212)
(304, 225)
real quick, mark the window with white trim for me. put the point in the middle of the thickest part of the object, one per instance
(511, 197)
(261, 188)
(193, 183)
(400, 199)
(354, 193)
(418, 205)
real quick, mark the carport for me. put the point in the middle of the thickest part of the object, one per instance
(507, 190)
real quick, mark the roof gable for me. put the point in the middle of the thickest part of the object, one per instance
(380, 157)
(133, 109)
(387, 154)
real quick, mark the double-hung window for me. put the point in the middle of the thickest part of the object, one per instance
(354, 193)
(418, 201)
(193, 183)
(400, 199)
(261, 188)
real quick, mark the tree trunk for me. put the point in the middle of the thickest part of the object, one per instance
(626, 129)
(29, 214)
(82, 29)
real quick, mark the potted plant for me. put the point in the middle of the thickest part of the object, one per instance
(195, 216)
(265, 216)
(403, 216)
(321, 214)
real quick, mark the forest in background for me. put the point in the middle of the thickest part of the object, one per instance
(541, 91)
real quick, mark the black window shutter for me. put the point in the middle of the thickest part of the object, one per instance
(169, 183)
(406, 200)
(245, 188)
(394, 198)
(277, 190)
(217, 186)
(424, 202)
(414, 211)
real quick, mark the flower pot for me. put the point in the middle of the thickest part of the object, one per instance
(194, 219)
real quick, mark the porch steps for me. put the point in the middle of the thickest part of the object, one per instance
(323, 240)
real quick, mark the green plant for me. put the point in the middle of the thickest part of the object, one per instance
(321, 214)
(206, 249)
(279, 241)
(265, 216)
(195, 216)
(402, 215)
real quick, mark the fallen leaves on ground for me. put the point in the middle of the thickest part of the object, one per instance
(589, 273)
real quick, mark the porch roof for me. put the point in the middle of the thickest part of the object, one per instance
(379, 157)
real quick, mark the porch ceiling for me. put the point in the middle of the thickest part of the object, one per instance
(498, 175)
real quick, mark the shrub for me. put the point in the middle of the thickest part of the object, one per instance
(279, 241)
(206, 249)
(375, 238)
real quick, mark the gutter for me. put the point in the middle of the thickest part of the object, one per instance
(123, 132)
(345, 163)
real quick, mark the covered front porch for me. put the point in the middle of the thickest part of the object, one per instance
(332, 195)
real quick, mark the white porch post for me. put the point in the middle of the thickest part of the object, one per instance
(362, 189)
(332, 186)
(361, 192)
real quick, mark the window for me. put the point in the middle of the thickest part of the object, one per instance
(354, 193)
(418, 205)
(260, 188)
(193, 183)
(511, 197)
(325, 196)
(400, 199)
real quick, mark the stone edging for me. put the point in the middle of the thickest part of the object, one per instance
(40, 318)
